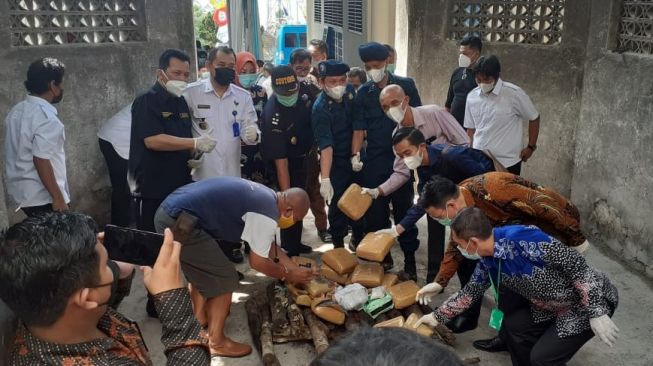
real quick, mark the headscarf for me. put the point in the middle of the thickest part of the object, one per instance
(241, 59)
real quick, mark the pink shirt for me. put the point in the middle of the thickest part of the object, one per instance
(433, 121)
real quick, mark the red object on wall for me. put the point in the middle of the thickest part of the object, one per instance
(220, 17)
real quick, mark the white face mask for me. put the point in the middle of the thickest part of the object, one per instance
(336, 92)
(205, 75)
(396, 113)
(413, 162)
(376, 74)
(464, 61)
(486, 87)
(467, 255)
(175, 87)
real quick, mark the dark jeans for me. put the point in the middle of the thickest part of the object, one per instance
(292, 236)
(36, 210)
(120, 197)
(145, 210)
(515, 169)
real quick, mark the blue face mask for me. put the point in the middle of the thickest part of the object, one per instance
(247, 80)
(287, 100)
(446, 221)
(473, 257)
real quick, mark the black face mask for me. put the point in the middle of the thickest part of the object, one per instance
(58, 98)
(224, 76)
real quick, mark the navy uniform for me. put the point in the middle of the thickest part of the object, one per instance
(287, 134)
(332, 127)
(378, 157)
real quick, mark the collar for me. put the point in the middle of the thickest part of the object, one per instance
(497, 87)
(161, 92)
(435, 152)
(208, 88)
(391, 81)
(42, 102)
(418, 121)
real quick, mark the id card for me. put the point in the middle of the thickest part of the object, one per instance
(236, 129)
(496, 319)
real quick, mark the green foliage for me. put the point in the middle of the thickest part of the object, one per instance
(205, 30)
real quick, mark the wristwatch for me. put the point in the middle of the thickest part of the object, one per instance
(532, 147)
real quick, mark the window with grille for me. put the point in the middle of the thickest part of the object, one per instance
(338, 45)
(512, 21)
(636, 28)
(317, 10)
(61, 22)
(333, 12)
(355, 16)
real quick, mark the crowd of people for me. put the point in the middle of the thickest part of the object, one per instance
(250, 148)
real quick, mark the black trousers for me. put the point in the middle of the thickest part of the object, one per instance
(36, 210)
(292, 236)
(120, 198)
(145, 210)
(515, 169)
(532, 344)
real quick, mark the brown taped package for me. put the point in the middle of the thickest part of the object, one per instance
(328, 310)
(403, 294)
(389, 280)
(340, 260)
(368, 274)
(374, 247)
(304, 262)
(397, 322)
(328, 273)
(299, 296)
(354, 203)
(318, 286)
(422, 329)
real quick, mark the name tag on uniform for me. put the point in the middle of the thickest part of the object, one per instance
(203, 106)
(166, 114)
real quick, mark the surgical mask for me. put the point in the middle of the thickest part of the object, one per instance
(413, 162)
(58, 98)
(205, 75)
(446, 221)
(336, 92)
(391, 68)
(224, 76)
(286, 222)
(287, 100)
(175, 87)
(247, 80)
(473, 257)
(376, 75)
(464, 61)
(397, 113)
(301, 79)
(486, 87)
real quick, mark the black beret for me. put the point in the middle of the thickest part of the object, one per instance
(284, 80)
(332, 68)
(373, 51)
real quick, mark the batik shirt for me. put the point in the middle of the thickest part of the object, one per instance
(554, 278)
(509, 199)
(185, 343)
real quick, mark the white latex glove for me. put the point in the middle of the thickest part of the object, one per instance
(326, 190)
(374, 192)
(195, 163)
(391, 231)
(204, 143)
(428, 319)
(356, 164)
(583, 247)
(250, 134)
(426, 293)
(604, 328)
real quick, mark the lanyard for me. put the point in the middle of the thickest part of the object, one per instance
(496, 288)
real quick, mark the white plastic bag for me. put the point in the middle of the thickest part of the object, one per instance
(377, 293)
(351, 297)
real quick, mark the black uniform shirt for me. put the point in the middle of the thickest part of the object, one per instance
(461, 83)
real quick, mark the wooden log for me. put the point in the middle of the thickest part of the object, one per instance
(471, 361)
(278, 300)
(254, 321)
(318, 330)
(267, 348)
(297, 329)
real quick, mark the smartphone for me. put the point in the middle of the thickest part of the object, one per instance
(131, 245)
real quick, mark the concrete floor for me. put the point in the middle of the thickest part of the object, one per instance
(632, 317)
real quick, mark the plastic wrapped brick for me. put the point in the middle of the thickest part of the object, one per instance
(422, 329)
(374, 247)
(340, 260)
(318, 287)
(328, 273)
(300, 296)
(368, 274)
(403, 294)
(328, 310)
(389, 280)
(353, 203)
(304, 262)
(397, 322)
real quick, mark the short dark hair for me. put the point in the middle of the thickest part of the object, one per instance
(488, 66)
(268, 66)
(471, 222)
(437, 192)
(260, 63)
(386, 346)
(320, 45)
(222, 49)
(414, 136)
(43, 261)
(299, 55)
(390, 48)
(169, 54)
(359, 73)
(41, 72)
(472, 42)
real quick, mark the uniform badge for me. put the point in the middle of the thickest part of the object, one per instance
(293, 140)
(184, 115)
(351, 96)
(166, 114)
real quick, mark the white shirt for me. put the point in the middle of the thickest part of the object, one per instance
(218, 113)
(117, 131)
(259, 233)
(498, 118)
(33, 130)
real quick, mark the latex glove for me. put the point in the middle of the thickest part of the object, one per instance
(391, 231)
(195, 163)
(374, 192)
(326, 190)
(428, 319)
(604, 328)
(204, 143)
(583, 247)
(426, 293)
(250, 134)
(356, 163)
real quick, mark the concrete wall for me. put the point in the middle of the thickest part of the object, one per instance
(613, 176)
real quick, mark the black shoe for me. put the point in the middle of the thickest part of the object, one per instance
(304, 249)
(151, 310)
(411, 271)
(324, 236)
(338, 243)
(240, 276)
(247, 248)
(235, 255)
(462, 324)
(495, 344)
(388, 262)
(353, 243)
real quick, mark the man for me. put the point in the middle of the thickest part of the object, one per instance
(506, 199)
(226, 112)
(495, 113)
(230, 209)
(437, 126)
(332, 126)
(300, 61)
(56, 277)
(569, 301)
(319, 52)
(392, 58)
(161, 138)
(356, 77)
(462, 80)
(372, 123)
(35, 160)
(286, 141)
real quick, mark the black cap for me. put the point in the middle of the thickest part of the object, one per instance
(332, 68)
(373, 51)
(284, 80)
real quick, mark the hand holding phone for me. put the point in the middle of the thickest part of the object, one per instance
(131, 245)
(166, 274)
